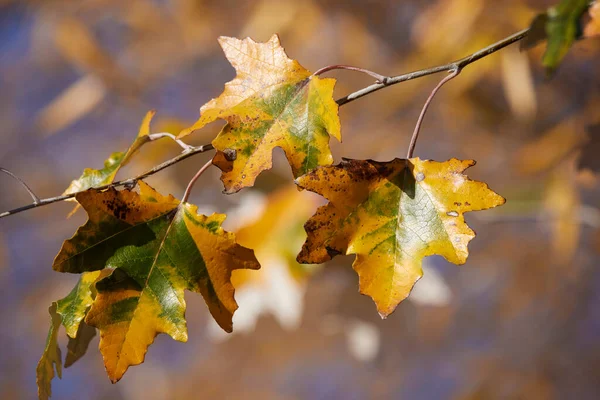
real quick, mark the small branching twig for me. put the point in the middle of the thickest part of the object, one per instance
(155, 136)
(415, 135)
(459, 64)
(36, 199)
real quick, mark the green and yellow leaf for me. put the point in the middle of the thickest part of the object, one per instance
(561, 25)
(158, 247)
(392, 215)
(70, 311)
(75, 305)
(272, 102)
(100, 177)
(51, 358)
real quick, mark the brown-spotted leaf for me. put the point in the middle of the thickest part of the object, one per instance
(272, 102)
(392, 215)
(100, 177)
(158, 248)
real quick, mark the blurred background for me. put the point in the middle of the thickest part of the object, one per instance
(520, 320)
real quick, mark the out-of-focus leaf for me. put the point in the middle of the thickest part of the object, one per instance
(272, 102)
(276, 236)
(391, 215)
(592, 28)
(99, 177)
(159, 247)
(551, 148)
(562, 26)
(562, 204)
(51, 358)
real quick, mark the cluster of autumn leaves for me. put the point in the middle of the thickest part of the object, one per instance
(139, 251)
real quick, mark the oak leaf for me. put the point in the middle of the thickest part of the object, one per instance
(272, 102)
(158, 247)
(392, 215)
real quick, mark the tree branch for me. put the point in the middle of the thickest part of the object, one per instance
(383, 82)
(125, 182)
(458, 64)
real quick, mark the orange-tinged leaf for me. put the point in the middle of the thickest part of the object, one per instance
(158, 247)
(100, 177)
(272, 102)
(592, 28)
(392, 215)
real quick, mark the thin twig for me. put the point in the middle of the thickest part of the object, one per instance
(459, 64)
(155, 136)
(415, 135)
(380, 78)
(22, 182)
(190, 185)
(126, 182)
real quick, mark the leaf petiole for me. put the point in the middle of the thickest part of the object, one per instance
(415, 135)
(380, 78)
(190, 185)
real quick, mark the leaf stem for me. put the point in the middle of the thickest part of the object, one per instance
(458, 64)
(36, 199)
(155, 136)
(125, 182)
(190, 185)
(415, 135)
(380, 78)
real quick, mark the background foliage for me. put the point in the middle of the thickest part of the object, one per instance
(520, 319)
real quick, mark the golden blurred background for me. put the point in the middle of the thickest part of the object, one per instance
(520, 320)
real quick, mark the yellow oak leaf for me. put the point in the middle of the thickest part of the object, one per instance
(392, 215)
(158, 247)
(272, 102)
